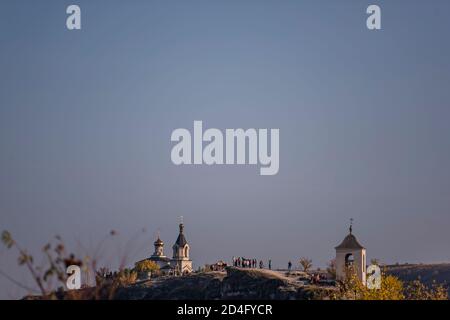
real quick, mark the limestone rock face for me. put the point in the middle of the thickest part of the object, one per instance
(232, 284)
(235, 283)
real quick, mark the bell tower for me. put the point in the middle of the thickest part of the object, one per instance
(159, 248)
(180, 259)
(350, 255)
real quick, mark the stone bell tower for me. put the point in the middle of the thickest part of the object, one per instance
(180, 260)
(350, 255)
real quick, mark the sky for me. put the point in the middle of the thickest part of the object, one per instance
(86, 118)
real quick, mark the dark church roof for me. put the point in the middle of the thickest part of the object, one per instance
(158, 258)
(167, 266)
(349, 242)
(181, 240)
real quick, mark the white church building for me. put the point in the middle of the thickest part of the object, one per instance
(180, 263)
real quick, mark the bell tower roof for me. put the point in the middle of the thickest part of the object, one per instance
(181, 240)
(350, 241)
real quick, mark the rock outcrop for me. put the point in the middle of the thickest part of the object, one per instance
(235, 283)
(232, 284)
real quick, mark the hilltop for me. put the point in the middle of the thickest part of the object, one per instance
(241, 283)
(234, 283)
(426, 273)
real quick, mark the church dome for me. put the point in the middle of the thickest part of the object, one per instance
(158, 242)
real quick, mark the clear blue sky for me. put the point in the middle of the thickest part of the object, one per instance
(86, 118)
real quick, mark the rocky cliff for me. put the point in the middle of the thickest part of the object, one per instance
(235, 283)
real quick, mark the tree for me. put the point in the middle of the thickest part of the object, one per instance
(353, 289)
(54, 267)
(416, 290)
(305, 263)
(126, 277)
(146, 266)
(392, 288)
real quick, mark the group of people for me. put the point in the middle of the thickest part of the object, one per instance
(242, 262)
(316, 278)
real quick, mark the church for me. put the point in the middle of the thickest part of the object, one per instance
(180, 262)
